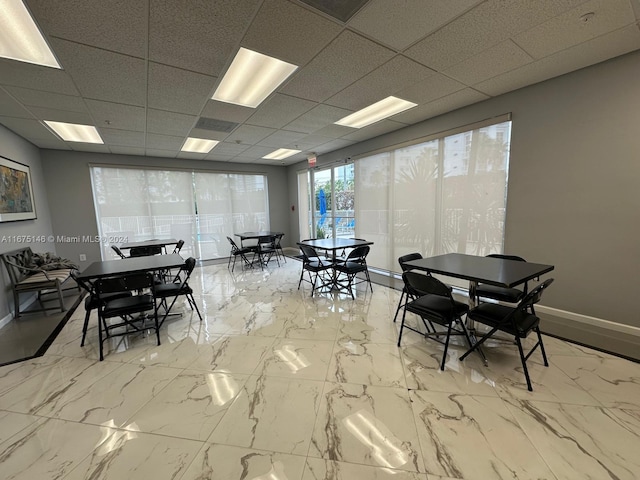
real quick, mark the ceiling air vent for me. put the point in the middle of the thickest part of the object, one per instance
(215, 125)
(342, 10)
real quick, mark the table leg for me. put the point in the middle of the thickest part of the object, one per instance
(473, 302)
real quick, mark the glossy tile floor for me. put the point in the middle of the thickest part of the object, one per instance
(276, 385)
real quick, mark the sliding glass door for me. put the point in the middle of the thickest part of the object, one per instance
(200, 208)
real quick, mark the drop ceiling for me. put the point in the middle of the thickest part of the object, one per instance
(143, 72)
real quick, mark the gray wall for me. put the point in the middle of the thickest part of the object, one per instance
(71, 200)
(574, 182)
(16, 148)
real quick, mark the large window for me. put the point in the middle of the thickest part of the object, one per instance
(444, 194)
(199, 207)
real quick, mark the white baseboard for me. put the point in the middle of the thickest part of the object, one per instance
(593, 321)
(23, 306)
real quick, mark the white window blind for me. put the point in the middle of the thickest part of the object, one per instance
(447, 194)
(200, 208)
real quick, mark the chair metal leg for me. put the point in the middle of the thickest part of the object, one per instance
(85, 326)
(524, 364)
(404, 314)
(446, 345)
(402, 295)
(544, 353)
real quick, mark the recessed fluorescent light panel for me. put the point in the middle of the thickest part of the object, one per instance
(251, 78)
(376, 112)
(72, 132)
(281, 153)
(198, 145)
(20, 38)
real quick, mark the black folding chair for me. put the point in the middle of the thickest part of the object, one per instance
(518, 321)
(502, 294)
(355, 263)
(238, 252)
(433, 303)
(91, 300)
(174, 289)
(266, 250)
(403, 296)
(316, 267)
(118, 251)
(130, 309)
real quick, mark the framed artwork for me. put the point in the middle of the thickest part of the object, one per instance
(16, 192)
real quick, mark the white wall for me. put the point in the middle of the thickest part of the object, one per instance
(16, 148)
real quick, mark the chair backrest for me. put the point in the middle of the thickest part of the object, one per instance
(308, 252)
(122, 283)
(118, 251)
(419, 285)
(185, 271)
(534, 295)
(145, 251)
(407, 258)
(267, 241)
(178, 246)
(234, 246)
(359, 254)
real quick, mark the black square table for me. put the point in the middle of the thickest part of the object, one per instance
(156, 242)
(492, 271)
(108, 268)
(334, 244)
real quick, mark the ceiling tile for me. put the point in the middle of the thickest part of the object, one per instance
(433, 87)
(280, 110)
(257, 151)
(88, 147)
(499, 59)
(178, 90)
(61, 116)
(11, 107)
(118, 150)
(396, 74)
(192, 155)
(51, 143)
(289, 32)
(281, 138)
(570, 29)
(334, 145)
(164, 142)
(231, 149)
(153, 152)
(487, 24)
(333, 131)
(38, 98)
(207, 134)
(104, 75)
(28, 128)
(169, 123)
(122, 138)
(400, 25)
(116, 115)
(310, 142)
(317, 118)
(212, 155)
(249, 134)
(201, 38)
(28, 75)
(117, 25)
(227, 111)
(345, 60)
(587, 53)
(456, 100)
(379, 128)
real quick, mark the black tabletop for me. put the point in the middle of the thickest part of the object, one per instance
(335, 243)
(121, 266)
(248, 235)
(149, 243)
(493, 271)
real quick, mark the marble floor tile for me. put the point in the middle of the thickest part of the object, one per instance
(137, 456)
(474, 437)
(226, 462)
(115, 397)
(367, 364)
(421, 363)
(271, 413)
(582, 442)
(275, 384)
(318, 469)
(368, 426)
(615, 382)
(296, 358)
(50, 449)
(232, 354)
(190, 406)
